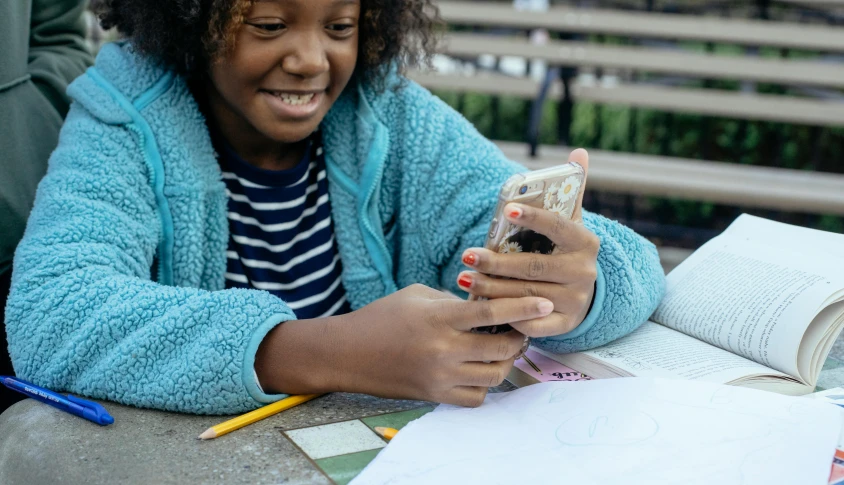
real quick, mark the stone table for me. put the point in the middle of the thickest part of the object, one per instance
(39, 444)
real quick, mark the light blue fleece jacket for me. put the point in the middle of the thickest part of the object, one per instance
(118, 285)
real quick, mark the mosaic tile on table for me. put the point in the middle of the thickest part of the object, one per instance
(335, 439)
(396, 420)
(342, 450)
(342, 469)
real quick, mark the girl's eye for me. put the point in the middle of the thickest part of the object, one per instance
(340, 27)
(268, 27)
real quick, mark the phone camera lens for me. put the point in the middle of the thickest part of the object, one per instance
(523, 190)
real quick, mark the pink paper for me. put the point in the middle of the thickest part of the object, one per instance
(551, 369)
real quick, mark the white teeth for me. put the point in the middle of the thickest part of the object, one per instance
(296, 99)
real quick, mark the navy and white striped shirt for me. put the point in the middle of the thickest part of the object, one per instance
(281, 234)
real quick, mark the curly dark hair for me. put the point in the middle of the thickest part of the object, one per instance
(187, 35)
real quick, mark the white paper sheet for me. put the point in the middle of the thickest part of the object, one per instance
(627, 430)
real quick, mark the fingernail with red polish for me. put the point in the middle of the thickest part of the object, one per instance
(465, 281)
(470, 259)
(515, 213)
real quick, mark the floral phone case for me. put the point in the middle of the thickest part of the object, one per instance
(555, 189)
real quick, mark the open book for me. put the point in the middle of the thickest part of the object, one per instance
(758, 306)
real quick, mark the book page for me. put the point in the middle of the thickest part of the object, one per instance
(818, 340)
(656, 351)
(749, 299)
(785, 236)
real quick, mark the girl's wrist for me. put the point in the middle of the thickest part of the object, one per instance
(303, 357)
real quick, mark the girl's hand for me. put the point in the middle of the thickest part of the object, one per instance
(566, 277)
(413, 344)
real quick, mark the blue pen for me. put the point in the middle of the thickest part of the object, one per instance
(84, 409)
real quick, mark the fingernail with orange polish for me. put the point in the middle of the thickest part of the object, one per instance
(465, 281)
(470, 259)
(515, 213)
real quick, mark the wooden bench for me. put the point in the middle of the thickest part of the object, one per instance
(838, 4)
(647, 25)
(664, 61)
(685, 5)
(670, 99)
(811, 74)
(750, 186)
(719, 182)
(763, 187)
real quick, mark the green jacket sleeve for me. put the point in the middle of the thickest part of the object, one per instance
(57, 49)
(43, 50)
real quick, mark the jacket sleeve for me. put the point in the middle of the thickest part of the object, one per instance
(83, 314)
(457, 198)
(42, 49)
(57, 49)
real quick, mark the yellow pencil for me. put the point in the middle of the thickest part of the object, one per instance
(386, 433)
(256, 415)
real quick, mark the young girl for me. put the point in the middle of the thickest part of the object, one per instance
(248, 200)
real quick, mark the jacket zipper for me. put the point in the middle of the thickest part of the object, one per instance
(389, 284)
(152, 174)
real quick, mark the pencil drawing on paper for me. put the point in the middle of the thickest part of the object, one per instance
(722, 396)
(616, 428)
(558, 395)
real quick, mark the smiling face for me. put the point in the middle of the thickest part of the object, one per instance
(290, 62)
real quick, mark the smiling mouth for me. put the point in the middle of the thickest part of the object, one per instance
(294, 105)
(292, 99)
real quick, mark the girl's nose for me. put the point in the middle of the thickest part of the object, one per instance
(307, 58)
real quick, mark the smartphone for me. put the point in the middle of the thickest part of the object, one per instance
(555, 189)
